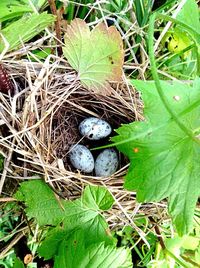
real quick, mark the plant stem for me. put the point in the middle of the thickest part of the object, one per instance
(158, 84)
(185, 26)
(178, 261)
(57, 25)
(157, 230)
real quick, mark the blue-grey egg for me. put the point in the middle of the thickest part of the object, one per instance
(94, 128)
(81, 158)
(106, 163)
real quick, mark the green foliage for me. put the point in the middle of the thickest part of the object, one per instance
(82, 213)
(179, 252)
(142, 11)
(12, 9)
(46, 210)
(25, 29)
(77, 253)
(177, 41)
(40, 55)
(96, 55)
(8, 220)
(129, 238)
(80, 230)
(189, 15)
(164, 160)
(97, 197)
(18, 263)
(183, 41)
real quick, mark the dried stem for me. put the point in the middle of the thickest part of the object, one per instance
(57, 25)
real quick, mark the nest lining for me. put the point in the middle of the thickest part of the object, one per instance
(42, 123)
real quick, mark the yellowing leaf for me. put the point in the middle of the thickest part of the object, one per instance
(96, 55)
(177, 41)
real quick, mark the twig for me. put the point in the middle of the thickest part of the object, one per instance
(7, 199)
(190, 261)
(57, 25)
(13, 242)
(157, 230)
(3, 176)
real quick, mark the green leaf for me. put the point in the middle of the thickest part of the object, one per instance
(190, 242)
(49, 246)
(75, 253)
(96, 197)
(41, 202)
(11, 9)
(96, 55)
(189, 15)
(78, 217)
(81, 214)
(164, 160)
(40, 54)
(84, 213)
(18, 263)
(89, 220)
(25, 29)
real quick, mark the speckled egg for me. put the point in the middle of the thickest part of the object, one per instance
(94, 128)
(106, 163)
(81, 158)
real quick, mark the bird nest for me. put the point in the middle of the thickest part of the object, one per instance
(40, 122)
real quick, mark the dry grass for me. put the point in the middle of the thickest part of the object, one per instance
(39, 124)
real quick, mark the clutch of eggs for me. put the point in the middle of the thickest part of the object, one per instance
(82, 159)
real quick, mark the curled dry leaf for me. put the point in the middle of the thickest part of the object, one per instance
(96, 55)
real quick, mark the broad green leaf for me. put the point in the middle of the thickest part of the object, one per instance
(75, 253)
(95, 229)
(25, 29)
(81, 214)
(49, 246)
(96, 55)
(88, 219)
(41, 202)
(80, 218)
(189, 15)
(165, 162)
(11, 9)
(18, 263)
(96, 197)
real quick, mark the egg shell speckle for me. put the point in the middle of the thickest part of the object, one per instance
(106, 163)
(81, 158)
(94, 128)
